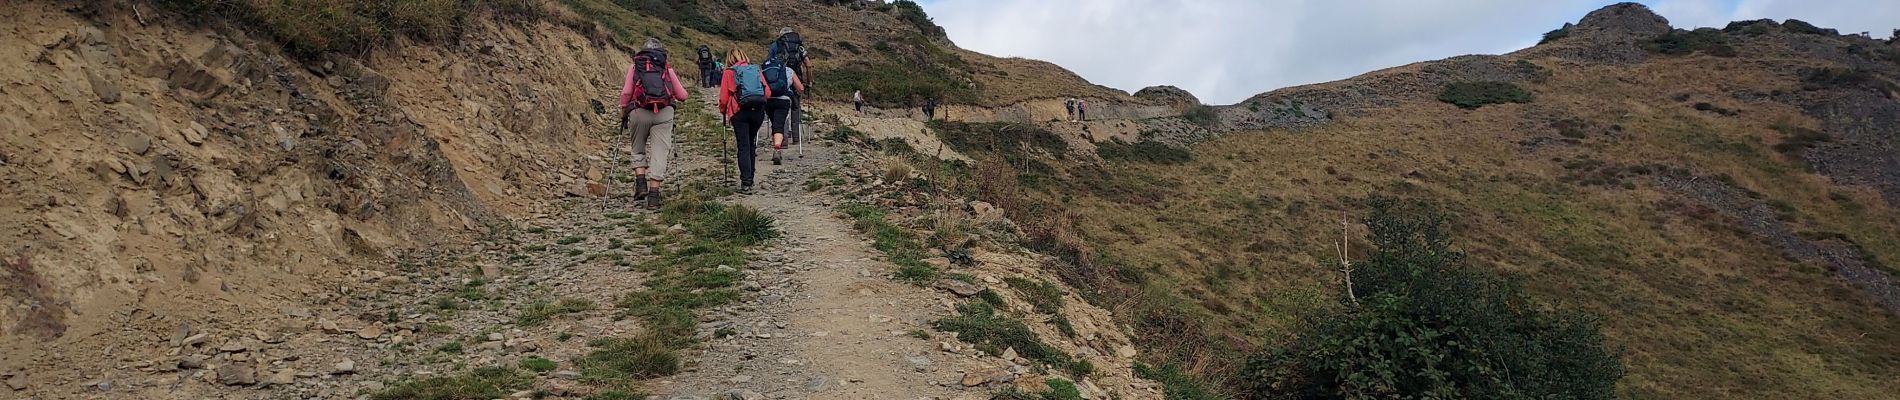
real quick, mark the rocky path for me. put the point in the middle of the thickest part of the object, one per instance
(818, 315)
(830, 325)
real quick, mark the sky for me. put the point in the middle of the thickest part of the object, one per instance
(1227, 50)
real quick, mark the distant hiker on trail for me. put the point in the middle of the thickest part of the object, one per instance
(1070, 105)
(646, 105)
(857, 101)
(708, 68)
(789, 50)
(1081, 110)
(743, 95)
(783, 85)
(930, 108)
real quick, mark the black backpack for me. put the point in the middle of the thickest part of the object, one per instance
(649, 69)
(705, 55)
(789, 50)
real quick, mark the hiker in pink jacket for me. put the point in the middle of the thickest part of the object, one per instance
(646, 105)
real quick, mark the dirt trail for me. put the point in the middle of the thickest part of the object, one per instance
(830, 326)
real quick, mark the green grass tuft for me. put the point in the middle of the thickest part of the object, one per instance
(538, 312)
(979, 324)
(537, 364)
(482, 383)
(620, 360)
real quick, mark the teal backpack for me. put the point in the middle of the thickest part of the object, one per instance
(751, 87)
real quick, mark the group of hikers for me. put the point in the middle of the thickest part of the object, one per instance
(1078, 109)
(750, 96)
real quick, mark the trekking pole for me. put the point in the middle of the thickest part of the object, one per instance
(727, 158)
(613, 166)
(798, 106)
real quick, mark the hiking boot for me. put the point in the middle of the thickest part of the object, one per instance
(653, 199)
(639, 187)
(745, 189)
(777, 159)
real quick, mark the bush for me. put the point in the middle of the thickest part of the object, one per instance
(1201, 115)
(1425, 326)
(1471, 95)
(1678, 43)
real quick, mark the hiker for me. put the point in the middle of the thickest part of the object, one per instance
(789, 50)
(1070, 105)
(857, 101)
(930, 108)
(1081, 110)
(646, 105)
(781, 82)
(743, 95)
(708, 69)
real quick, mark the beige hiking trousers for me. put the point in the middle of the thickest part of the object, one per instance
(652, 140)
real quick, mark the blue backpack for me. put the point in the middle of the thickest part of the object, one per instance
(751, 89)
(776, 77)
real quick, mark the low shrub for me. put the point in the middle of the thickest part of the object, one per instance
(1418, 322)
(1472, 95)
(980, 325)
(1706, 40)
(1201, 115)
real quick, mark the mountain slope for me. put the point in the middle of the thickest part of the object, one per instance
(1719, 197)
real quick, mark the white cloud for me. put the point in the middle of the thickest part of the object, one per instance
(1227, 50)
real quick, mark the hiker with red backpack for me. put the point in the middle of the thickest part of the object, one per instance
(743, 95)
(646, 105)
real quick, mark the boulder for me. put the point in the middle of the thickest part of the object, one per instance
(237, 374)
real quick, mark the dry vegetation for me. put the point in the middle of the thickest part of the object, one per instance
(1233, 248)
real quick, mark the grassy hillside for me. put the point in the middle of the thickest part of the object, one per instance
(1673, 183)
(892, 52)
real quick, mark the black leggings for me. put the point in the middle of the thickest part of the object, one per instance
(779, 110)
(745, 131)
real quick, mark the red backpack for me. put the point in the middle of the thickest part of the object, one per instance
(649, 81)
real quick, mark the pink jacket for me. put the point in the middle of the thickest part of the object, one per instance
(628, 89)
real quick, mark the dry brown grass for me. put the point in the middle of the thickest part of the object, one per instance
(1240, 235)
